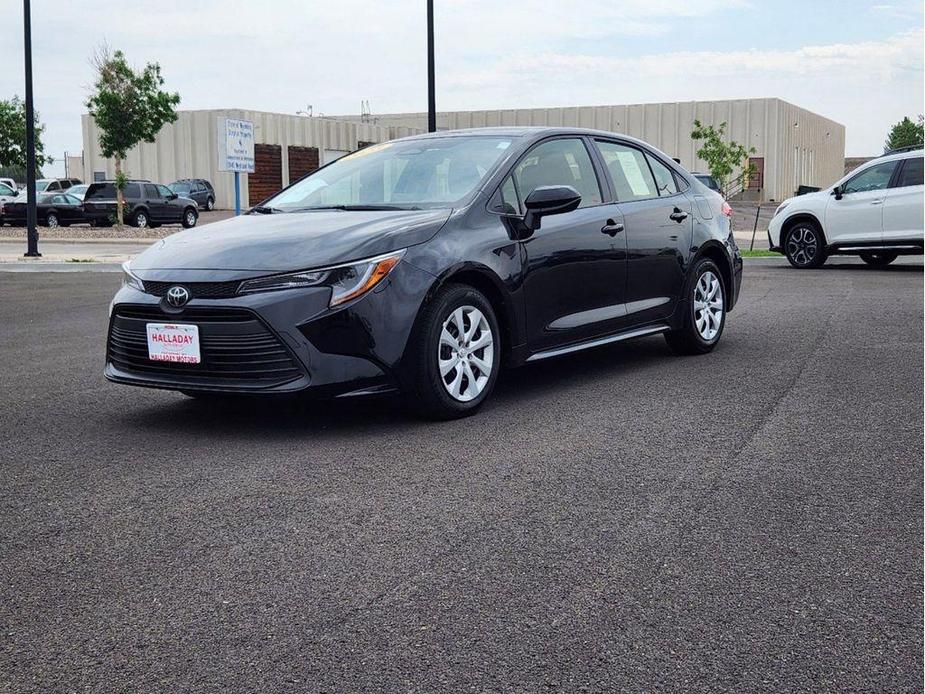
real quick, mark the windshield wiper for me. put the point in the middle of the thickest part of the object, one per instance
(357, 208)
(260, 209)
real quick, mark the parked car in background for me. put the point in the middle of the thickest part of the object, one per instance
(875, 212)
(458, 253)
(50, 185)
(52, 210)
(9, 183)
(198, 189)
(146, 205)
(708, 181)
(7, 195)
(79, 190)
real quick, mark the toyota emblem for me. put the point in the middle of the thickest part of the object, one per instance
(178, 296)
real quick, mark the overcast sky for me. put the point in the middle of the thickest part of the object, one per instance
(859, 63)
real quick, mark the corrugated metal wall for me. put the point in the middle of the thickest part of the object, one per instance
(799, 147)
(188, 147)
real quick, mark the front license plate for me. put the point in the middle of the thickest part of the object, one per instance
(173, 342)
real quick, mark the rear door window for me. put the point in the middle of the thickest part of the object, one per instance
(151, 191)
(911, 174)
(632, 179)
(132, 190)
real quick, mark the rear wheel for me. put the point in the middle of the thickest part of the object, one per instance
(52, 221)
(804, 246)
(704, 311)
(210, 204)
(456, 356)
(879, 259)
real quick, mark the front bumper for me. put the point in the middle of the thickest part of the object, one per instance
(273, 342)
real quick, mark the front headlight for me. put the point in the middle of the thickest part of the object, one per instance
(347, 282)
(130, 280)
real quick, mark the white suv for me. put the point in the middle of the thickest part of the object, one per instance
(876, 212)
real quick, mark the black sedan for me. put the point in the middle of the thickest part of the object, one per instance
(424, 265)
(52, 210)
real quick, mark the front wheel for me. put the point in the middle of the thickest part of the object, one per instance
(189, 218)
(52, 220)
(804, 246)
(141, 219)
(456, 354)
(704, 306)
(879, 259)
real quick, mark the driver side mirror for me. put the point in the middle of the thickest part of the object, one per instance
(838, 192)
(546, 200)
(172, 196)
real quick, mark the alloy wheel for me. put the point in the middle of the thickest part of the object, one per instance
(803, 245)
(465, 353)
(52, 221)
(141, 220)
(708, 305)
(190, 219)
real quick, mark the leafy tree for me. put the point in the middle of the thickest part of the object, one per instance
(128, 107)
(905, 134)
(722, 157)
(13, 136)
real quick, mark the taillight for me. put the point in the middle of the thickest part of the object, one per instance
(727, 210)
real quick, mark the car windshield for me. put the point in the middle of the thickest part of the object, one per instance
(410, 174)
(180, 188)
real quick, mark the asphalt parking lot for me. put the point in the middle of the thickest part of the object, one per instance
(621, 519)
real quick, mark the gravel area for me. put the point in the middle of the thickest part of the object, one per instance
(85, 231)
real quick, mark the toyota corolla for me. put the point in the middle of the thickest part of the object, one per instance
(425, 265)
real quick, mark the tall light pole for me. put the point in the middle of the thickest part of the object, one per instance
(32, 235)
(431, 97)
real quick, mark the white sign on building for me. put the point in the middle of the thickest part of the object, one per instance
(235, 145)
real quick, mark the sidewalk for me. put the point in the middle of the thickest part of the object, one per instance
(74, 251)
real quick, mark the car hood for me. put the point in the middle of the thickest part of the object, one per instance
(290, 241)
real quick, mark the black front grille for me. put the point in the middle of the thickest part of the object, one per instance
(199, 290)
(236, 347)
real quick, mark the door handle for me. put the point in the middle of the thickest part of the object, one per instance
(876, 202)
(677, 216)
(613, 228)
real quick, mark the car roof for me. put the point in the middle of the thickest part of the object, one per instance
(531, 131)
(903, 154)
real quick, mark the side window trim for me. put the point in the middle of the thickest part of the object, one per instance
(603, 190)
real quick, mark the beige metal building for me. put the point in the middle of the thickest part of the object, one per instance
(287, 147)
(793, 146)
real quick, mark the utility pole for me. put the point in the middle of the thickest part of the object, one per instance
(431, 97)
(32, 250)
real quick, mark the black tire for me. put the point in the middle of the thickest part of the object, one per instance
(690, 338)
(879, 259)
(804, 245)
(141, 219)
(210, 204)
(52, 220)
(428, 391)
(190, 216)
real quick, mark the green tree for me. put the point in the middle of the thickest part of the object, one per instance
(722, 157)
(128, 107)
(905, 134)
(13, 136)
